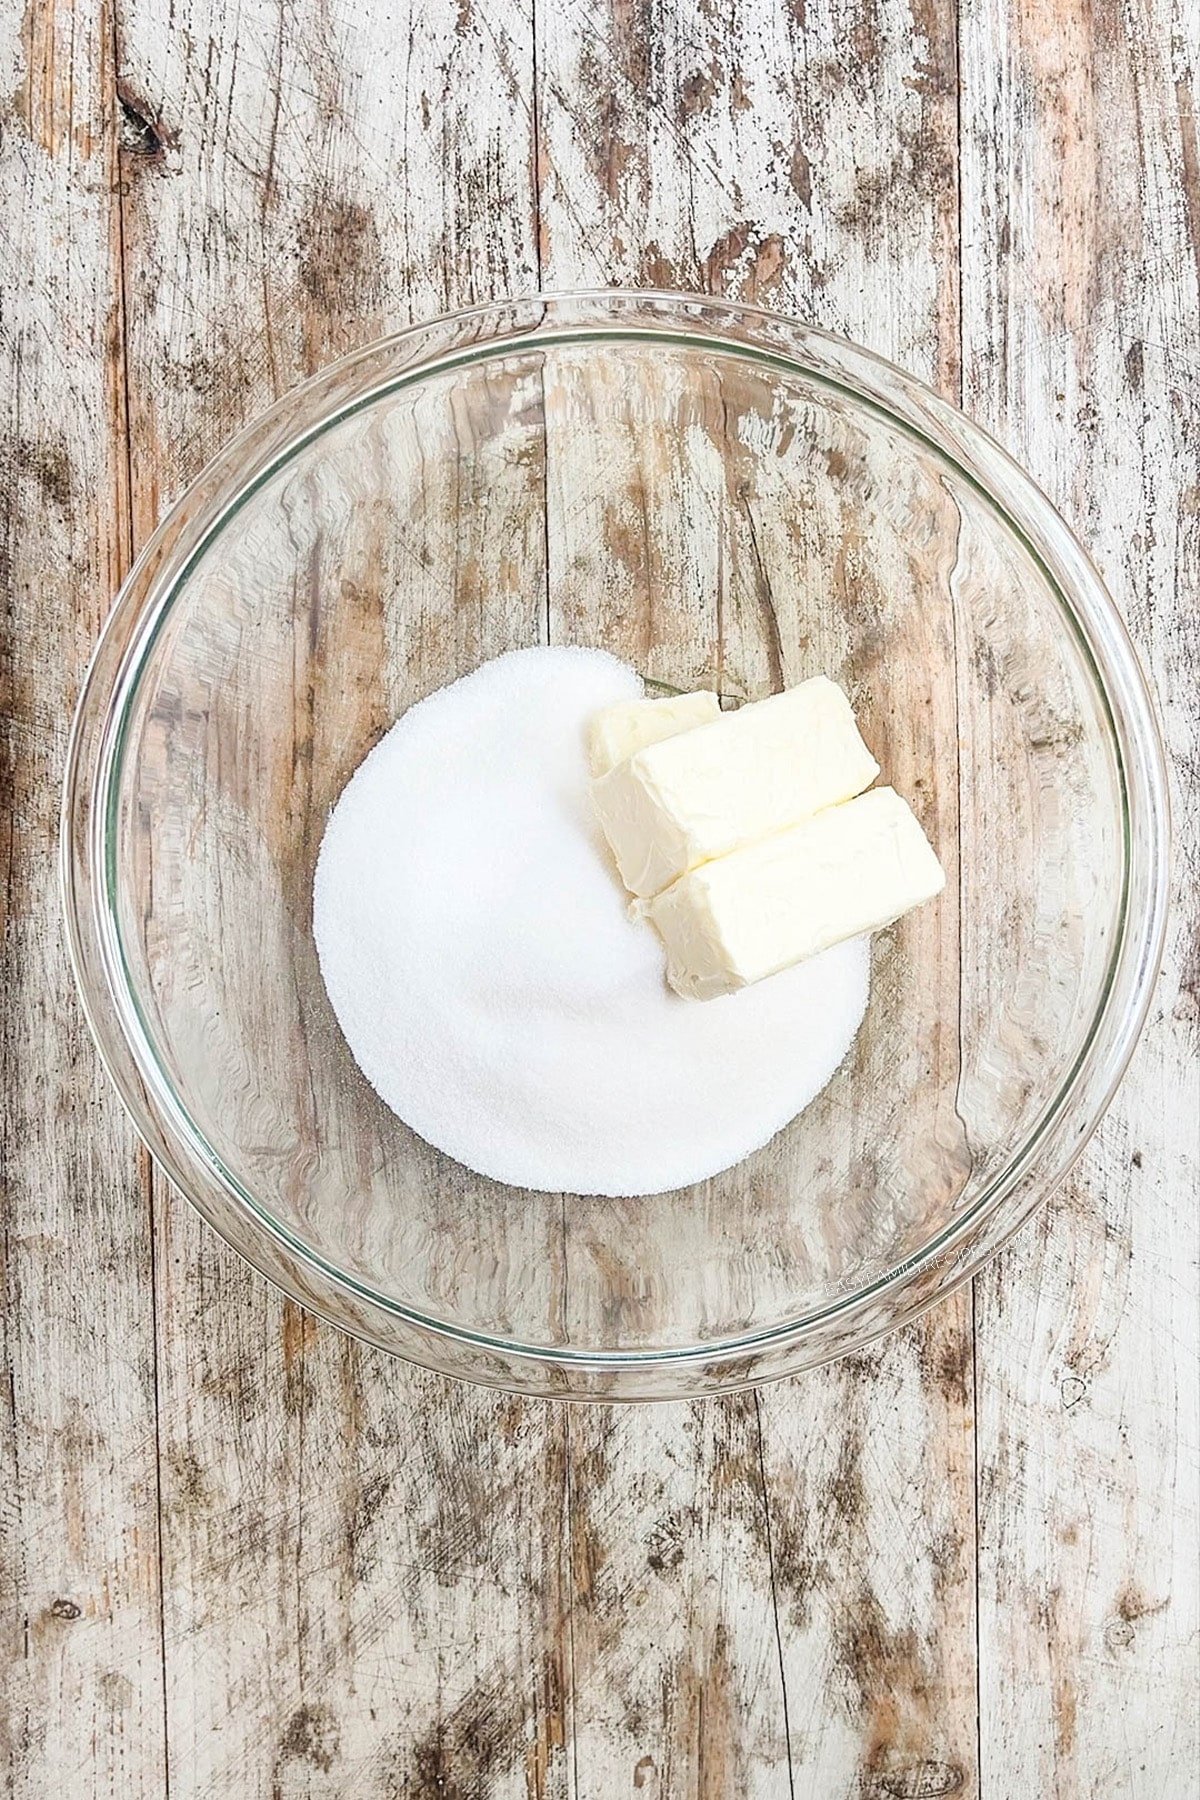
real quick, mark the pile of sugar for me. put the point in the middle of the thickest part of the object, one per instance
(476, 949)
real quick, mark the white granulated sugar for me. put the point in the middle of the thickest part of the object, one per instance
(476, 948)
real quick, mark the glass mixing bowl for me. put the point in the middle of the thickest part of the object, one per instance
(719, 496)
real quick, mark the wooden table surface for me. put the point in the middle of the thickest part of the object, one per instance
(241, 1555)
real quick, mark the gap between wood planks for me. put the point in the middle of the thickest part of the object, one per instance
(149, 139)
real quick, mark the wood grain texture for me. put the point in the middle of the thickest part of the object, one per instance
(1080, 306)
(362, 1584)
(374, 1583)
(805, 160)
(81, 1676)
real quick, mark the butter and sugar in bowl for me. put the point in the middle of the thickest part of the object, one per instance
(749, 839)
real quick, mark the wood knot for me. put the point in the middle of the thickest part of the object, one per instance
(311, 1736)
(664, 1550)
(925, 1780)
(1071, 1391)
(1131, 1606)
(144, 132)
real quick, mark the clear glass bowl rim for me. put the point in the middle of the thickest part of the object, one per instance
(89, 873)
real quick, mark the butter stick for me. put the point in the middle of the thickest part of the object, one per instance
(676, 804)
(617, 732)
(844, 872)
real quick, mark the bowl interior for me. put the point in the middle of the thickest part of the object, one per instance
(713, 517)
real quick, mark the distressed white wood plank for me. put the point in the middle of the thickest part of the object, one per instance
(1080, 183)
(323, 1639)
(674, 1657)
(675, 1680)
(81, 1698)
(803, 158)
(362, 1578)
(774, 152)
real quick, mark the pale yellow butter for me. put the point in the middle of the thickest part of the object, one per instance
(852, 869)
(685, 800)
(618, 731)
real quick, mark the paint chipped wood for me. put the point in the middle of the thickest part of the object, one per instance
(1078, 346)
(81, 1664)
(241, 1550)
